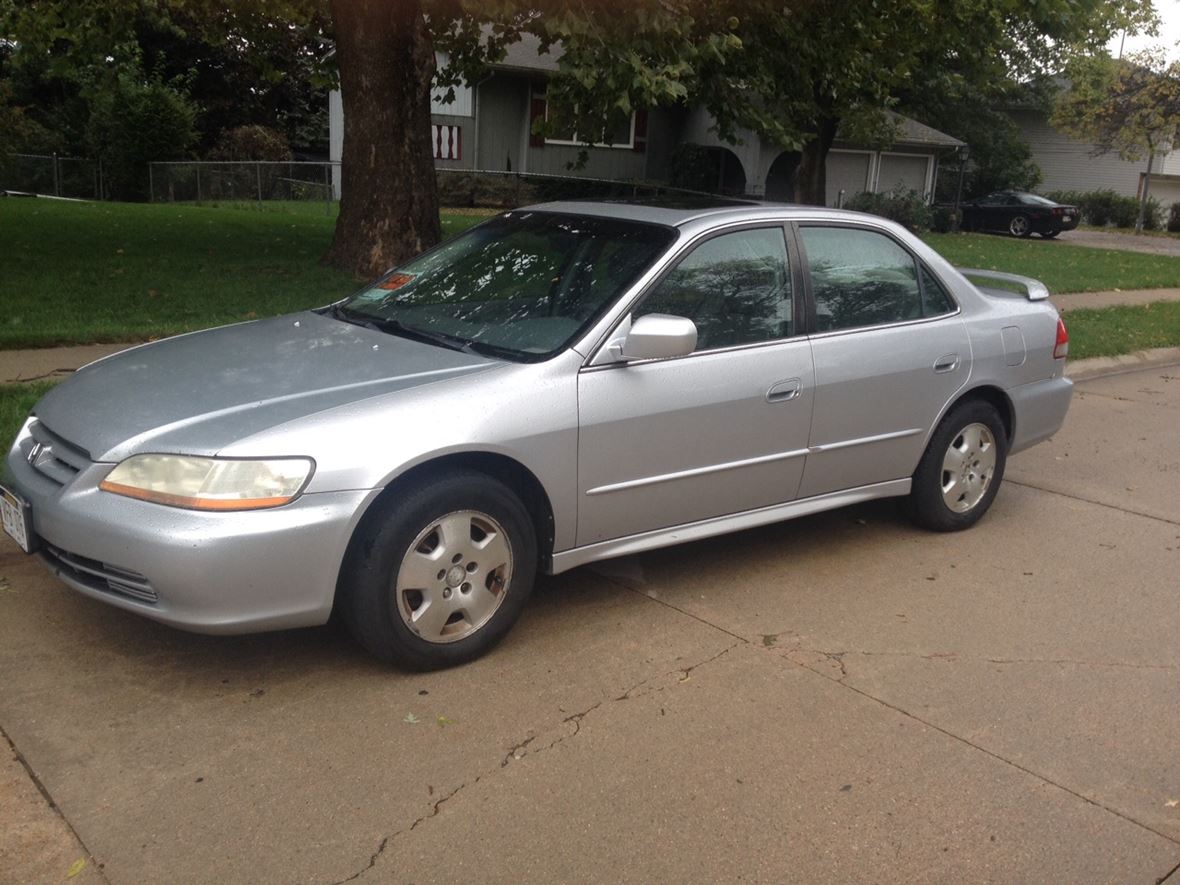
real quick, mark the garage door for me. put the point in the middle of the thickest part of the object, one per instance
(1166, 190)
(847, 172)
(902, 173)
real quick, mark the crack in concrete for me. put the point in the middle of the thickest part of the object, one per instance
(1168, 875)
(52, 803)
(1028, 485)
(519, 751)
(385, 842)
(994, 755)
(954, 657)
(837, 657)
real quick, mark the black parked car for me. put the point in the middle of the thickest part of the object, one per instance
(1020, 214)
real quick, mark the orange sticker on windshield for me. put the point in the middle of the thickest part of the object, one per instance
(395, 282)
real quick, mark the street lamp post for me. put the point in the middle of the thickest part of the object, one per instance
(963, 153)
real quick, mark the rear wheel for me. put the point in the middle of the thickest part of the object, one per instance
(1019, 226)
(441, 572)
(961, 470)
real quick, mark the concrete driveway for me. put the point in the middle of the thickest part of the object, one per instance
(841, 698)
(1114, 239)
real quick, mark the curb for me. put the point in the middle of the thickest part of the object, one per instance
(1116, 365)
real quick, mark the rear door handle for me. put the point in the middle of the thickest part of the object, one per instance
(783, 391)
(947, 363)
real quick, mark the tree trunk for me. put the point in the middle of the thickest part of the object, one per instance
(811, 175)
(1146, 193)
(388, 192)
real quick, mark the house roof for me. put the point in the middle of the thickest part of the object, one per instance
(910, 131)
(525, 55)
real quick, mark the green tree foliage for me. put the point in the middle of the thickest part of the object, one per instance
(134, 121)
(251, 143)
(1129, 107)
(249, 62)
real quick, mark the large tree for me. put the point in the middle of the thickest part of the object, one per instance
(1130, 107)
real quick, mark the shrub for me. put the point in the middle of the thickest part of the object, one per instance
(942, 219)
(693, 166)
(908, 208)
(252, 142)
(1174, 219)
(1153, 218)
(133, 122)
(1103, 207)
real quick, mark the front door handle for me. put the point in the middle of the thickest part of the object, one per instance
(783, 391)
(947, 363)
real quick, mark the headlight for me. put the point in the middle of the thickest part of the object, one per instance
(209, 483)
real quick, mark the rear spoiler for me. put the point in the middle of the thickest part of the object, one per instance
(1032, 289)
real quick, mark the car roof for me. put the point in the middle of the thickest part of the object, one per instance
(676, 212)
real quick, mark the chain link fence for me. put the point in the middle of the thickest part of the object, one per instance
(241, 181)
(77, 177)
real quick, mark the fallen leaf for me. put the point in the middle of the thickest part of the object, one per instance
(1172, 803)
(444, 721)
(411, 719)
(76, 867)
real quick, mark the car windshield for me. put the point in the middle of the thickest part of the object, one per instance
(522, 285)
(1034, 200)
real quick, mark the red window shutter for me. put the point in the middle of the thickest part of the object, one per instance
(640, 144)
(536, 112)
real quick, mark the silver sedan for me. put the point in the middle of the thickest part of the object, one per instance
(562, 384)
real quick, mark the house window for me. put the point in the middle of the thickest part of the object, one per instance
(621, 131)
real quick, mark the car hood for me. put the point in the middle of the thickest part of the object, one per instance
(200, 392)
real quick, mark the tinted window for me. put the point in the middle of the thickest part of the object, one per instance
(936, 300)
(860, 278)
(735, 287)
(522, 285)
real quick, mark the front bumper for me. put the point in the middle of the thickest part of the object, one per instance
(206, 572)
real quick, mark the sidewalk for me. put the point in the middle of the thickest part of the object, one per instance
(22, 366)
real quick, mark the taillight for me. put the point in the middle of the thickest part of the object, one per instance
(1061, 347)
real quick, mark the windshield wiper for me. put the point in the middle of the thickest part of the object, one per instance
(394, 327)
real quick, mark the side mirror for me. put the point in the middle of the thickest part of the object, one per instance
(659, 336)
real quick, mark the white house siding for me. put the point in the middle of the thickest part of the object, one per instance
(1067, 164)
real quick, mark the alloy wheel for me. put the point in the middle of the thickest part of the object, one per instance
(968, 467)
(453, 577)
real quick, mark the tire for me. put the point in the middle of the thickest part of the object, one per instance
(1019, 226)
(401, 568)
(1050, 234)
(973, 428)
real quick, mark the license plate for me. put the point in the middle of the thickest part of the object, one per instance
(15, 514)
(1067, 218)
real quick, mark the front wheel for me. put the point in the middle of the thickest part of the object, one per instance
(440, 573)
(1019, 226)
(961, 470)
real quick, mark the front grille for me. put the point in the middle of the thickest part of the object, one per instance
(101, 576)
(52, 456)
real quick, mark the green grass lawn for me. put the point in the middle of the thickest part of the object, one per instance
(88, 272)
(1112, 331)
(1061, 267)
(91, 272)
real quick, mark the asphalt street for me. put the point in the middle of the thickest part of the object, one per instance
(840, 698)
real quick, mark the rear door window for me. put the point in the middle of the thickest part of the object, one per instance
(860, 278)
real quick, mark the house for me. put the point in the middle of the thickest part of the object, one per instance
(488, 128)
(1070, 165)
